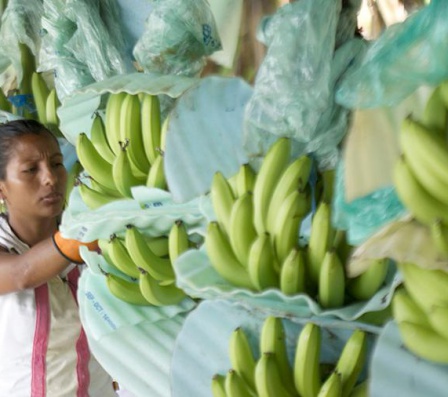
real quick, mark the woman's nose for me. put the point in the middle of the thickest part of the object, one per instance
(49, 175)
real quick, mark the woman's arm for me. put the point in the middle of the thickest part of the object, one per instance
(31, 269)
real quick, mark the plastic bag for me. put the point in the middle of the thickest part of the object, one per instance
(81, 44)
(294, 88)
(406, 56)
(21, 23)
(365, 215)
(178, 35)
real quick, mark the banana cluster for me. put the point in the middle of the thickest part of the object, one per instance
(420, 310)
(258, 217)
(124, 150)
(147, 263)
(270, 373)
(254, 241)
(421, 173)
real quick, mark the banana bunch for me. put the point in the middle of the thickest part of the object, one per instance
(254, 241)
(258, 217)
(123, 150)
(271, 373)
(146, 264)
(421, 173)
(420, 309)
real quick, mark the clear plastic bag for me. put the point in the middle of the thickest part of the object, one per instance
(407, 55)
(309, 47)
(178, 36)
(80, 43)
(21, 23)
(365, 215)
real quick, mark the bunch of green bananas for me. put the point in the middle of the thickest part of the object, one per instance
(147, 263)
(421, 173)
(124, 150)
(272, 375)
(420, 309)
(254, 241)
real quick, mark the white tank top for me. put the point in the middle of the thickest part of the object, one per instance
(43, 348)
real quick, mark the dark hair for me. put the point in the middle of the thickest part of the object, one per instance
(13, 130)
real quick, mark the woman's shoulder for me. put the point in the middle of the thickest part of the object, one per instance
(8, 239)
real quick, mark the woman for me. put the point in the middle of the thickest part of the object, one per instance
(43, 349)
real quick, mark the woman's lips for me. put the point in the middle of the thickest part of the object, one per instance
(52, 198)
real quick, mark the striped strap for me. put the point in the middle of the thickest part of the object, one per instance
(41, 333)
(82, 347)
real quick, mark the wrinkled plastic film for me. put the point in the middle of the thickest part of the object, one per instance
(309, 48)
(364, 216)
(406, 56)
(177, 37)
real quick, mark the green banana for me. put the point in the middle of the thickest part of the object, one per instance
(426, 153)
(178, 241)
(273, 339)
(120, 257)
(361, 389)
(40, 93)
(428, 287)
(306, 367)
(434, 116)
(241, 357)
(424, 342)
(222, 257)
(72, 177)
(364, 286)
(331, 287)
(99, 139)
(164, 133)
(404, 308)
(112, 120)
(160, 269)
(156, 175)
(131, 130)
(332, 386)
(235, 386)
(293, 273)
(28, 63)
(328, 179)
(244, 180)
(260, 265)
(92, 162)
(158, 294)
(294, 178)
(122, 173)
(285, 232)
(159, 245)
(320, 240)
(95, 185)
(421, 204)
(5, 105)
(93, 198)
(103, 244)
(218, 386)
(241, 228)
(271, 169)
(51, 106)
(222, 199)
(352, 360)
(439, 236)
(438, 318)
(151, 126)
(268, 381)
(125, 290)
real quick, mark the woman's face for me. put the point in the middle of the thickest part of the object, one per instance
(35, 177)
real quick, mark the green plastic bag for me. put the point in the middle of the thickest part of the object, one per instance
(179, 35)
(407, 55)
